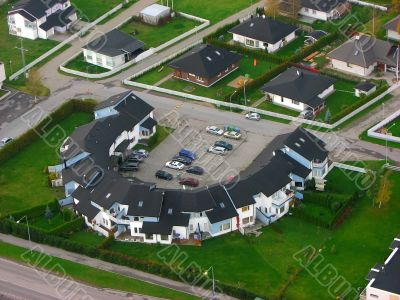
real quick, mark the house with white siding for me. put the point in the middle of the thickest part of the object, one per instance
(2, 74)
(384, 279)
(34, 19)
(392, 31)
(324, 10)
(363, 55)
(300, 89)
(265, 33)
(112, 50)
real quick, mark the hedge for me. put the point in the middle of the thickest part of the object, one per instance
(36, 211)
(46, 124)
(68, 227)
(325, 198)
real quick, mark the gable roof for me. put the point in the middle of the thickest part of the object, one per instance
(263, 29)
(324, 5)
(114, 43)
(205, 60)
(300, 85)
(59, 19)
(307, 145)
(316, 34)
(365, 86)
(364, 51)
(34, 9)
(392, 24)
(114, 100)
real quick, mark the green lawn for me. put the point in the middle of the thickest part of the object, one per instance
(395, 130)
(9, 54)
(394, 127)
(89, 275)
(220, 89)
(23, 180)
(154, 36)
(211, 9)
(381, 18)
(155, 75)
(161, 134)
(87, 237)
(292, 47)
(48, 224)
(79, 64)
(90, 10)
(266, 105)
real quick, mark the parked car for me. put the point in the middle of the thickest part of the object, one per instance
(233, 135)
(189, 181)
(141, 152)
(176, 165)
(223, 144)
(253, 116)
(129, 167)
(182, 159)
(195, 170)
(231, 128)
(307, 114)
(214, 130)
(188, 153)
(164, 175)
(135, 157)
(5, 141)
(217, 150)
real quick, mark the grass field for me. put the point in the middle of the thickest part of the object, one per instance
(79, 64)
(394, 130)
(12, 56)
(292, 48)
(23, 180)
(266, 105)
(154, 36)
(48, 224)
(155, 75)
(90, 10)
(394, 127)
(89, 275)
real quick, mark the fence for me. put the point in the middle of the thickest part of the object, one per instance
(67, 41)
(345, 167)
(372, 132)
(362, 3)
(143, 55)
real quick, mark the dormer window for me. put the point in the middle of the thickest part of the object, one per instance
(140, 204)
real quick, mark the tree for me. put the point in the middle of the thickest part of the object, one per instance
(328, 116)
(34, 84)
(396, 5)
(272, 7)
(385, 189)
(291, 7)
(48, 214)
(398, 26)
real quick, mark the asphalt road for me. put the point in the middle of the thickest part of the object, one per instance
(23, 282)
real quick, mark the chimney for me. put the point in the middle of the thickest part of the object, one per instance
(263, 16)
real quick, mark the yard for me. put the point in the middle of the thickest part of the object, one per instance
(79, 64)
(90, 10)
(394, 127)
(377, 26)
(154, 36)
(266, 105)
(292, 48)
(220, 89)
(23, 178)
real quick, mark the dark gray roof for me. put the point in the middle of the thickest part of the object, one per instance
(392, 24)
(300, 85)
(388, 277)
(34, 9)
(58, 19)
(317, 34)
(365, 51)
(263, 29)
(205, 60)
(365, 86)
(224, 208)
(84, 206)
(114, 43)
(297, 168)
(114, 100)
(307, 145)
(322, 5)
(149, 123)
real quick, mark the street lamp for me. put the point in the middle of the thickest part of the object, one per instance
(386, 143)
(29, 233)
(230, 100)
(213, 279)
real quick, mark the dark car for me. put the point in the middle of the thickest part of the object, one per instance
(223, 144)
(129, 167)
(189, 181)
(182, 159)
(195, 170)
(164, 175)
(135, 157)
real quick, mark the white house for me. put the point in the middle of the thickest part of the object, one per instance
(261, 32)
(34, 19)
(300, 89)
(155, 14)
(364, 54)
(364, 88)
(391, 27)
(2, 74)
(384, 278)
(324, 10)
(112, 50)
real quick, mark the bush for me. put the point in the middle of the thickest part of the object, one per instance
(105, 243)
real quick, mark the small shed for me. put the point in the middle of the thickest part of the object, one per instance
(155, 14)
(364, 88)
(314, 36)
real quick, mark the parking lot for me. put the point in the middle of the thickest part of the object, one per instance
(191, 135)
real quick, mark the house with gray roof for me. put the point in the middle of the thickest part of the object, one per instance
(299, 89)
(364, 54)
(112, 50)
(392, 31)
(261, 32)
(324, 9)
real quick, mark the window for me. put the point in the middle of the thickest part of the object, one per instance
(199, 78)
(190, 74)
(314, 11)
(281, 210)
(201, 214)
(99, 61)
(246, 208)
(306, 9)
(110, 62)
(164, 237)
(148, 236)
(246, 220)
(89, 56)
(135, 230)
(223, 227)
(136, 219)
(191, 227)
(250, 43)
(28, 24)
(282, 99)
(295, 102)
(11, 20)
(374, 296)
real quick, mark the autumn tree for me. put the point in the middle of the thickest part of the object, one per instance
(291, 7)
(34, 84)
(272, 8)
(396, 5)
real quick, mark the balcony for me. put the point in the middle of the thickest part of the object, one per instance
(319, 163)
(279, 198)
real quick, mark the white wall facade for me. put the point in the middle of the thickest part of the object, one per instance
(393, 35)
(315, 14)
(251, 43)
(350, 68)
(102, 60)
(377, 294)
(2, 74)
(290, 103)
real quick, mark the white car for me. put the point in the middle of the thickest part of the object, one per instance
(232, 135)
(253, 116)
(5, 141)
(217, 150)
(214, 130)
(176, 165)
(141, 152)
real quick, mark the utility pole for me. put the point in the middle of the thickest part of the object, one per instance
(22, 49)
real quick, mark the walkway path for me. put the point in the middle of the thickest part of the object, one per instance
(99, 264)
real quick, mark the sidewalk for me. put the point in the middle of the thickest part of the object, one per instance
(99, 264)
